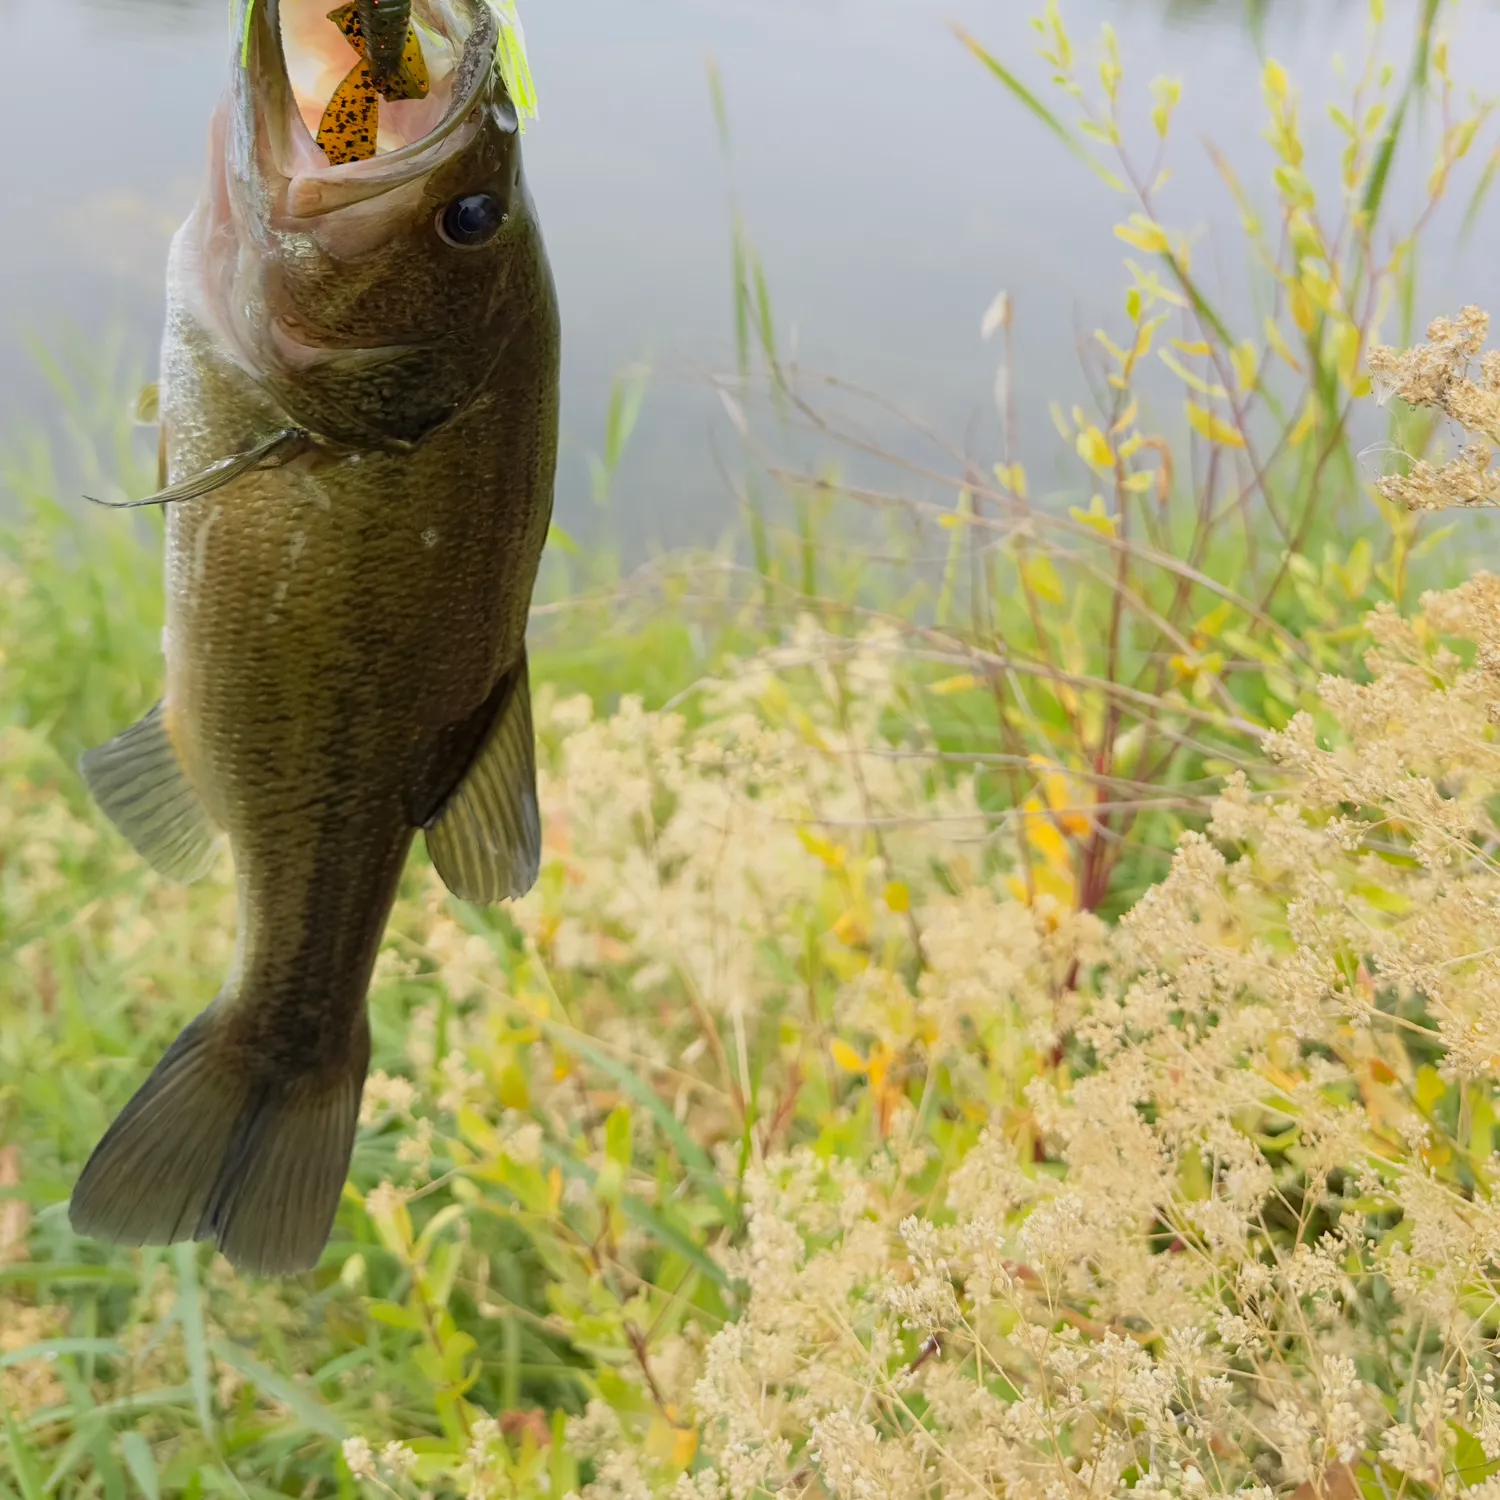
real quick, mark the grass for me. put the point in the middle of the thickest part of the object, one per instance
(840, 831)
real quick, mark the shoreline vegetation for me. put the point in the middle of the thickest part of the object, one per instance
(1008, 1005)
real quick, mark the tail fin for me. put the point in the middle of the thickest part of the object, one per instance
(210, 1149)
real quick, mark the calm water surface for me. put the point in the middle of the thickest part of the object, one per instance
(891, 186)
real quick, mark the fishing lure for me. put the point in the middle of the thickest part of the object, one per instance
(390, 66)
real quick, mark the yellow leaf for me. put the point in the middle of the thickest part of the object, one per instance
(1274, 79)
(1044, 836)
(1320, 290)
(1062, 797)
(1144, 334)
(1430, 1087)
(845, 1056)
(1346, 342)
(1197, 348)
(1041, 577)
(1280, 346)
(898, 896)
(513, 1090)
(1215, 429)
(963, 683)
(1096, 517)
(832, 855)
(1193, 382)
(850, 930)
(1166, 91)
(1304, 314)
(1109, 346)
(1093, 448)
(1126, 417)
(1058, 884)
(1306, 424)
(1246, 361)
(1215, 620)
(1144, 234)
(1013, 478)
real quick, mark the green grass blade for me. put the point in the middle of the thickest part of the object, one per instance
(54, 1348)
(1478, 196)
(1385, 154)
(28, 1475)
(141, 1462)
(308, 1410)
(689, 1152)
(721, 107)
(190, 1314)
(640, 1213)
(1025, 97)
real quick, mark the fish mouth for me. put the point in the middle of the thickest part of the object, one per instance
(273, 145)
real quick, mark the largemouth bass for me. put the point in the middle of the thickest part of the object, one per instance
(358, 407)
(390, 66)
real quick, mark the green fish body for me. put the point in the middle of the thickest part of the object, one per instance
(346, 620)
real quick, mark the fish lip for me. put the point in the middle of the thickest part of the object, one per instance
(266, 112)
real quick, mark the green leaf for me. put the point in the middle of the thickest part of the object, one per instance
(393, 1315)
(557, 537)
(617, 1146)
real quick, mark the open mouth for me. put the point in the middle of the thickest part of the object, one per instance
(320, 58)
(299, 65)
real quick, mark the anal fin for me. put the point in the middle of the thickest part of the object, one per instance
(486, 838)
(140, 786)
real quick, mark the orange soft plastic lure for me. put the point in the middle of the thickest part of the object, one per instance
(387, 69)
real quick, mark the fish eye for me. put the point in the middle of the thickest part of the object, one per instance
(474, 219)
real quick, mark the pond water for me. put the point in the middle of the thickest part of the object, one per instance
(891, 187)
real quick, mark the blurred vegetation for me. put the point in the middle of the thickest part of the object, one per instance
(838, 824)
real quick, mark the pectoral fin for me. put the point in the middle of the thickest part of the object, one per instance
(486, 838)
(215, 476)
(139, 784)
